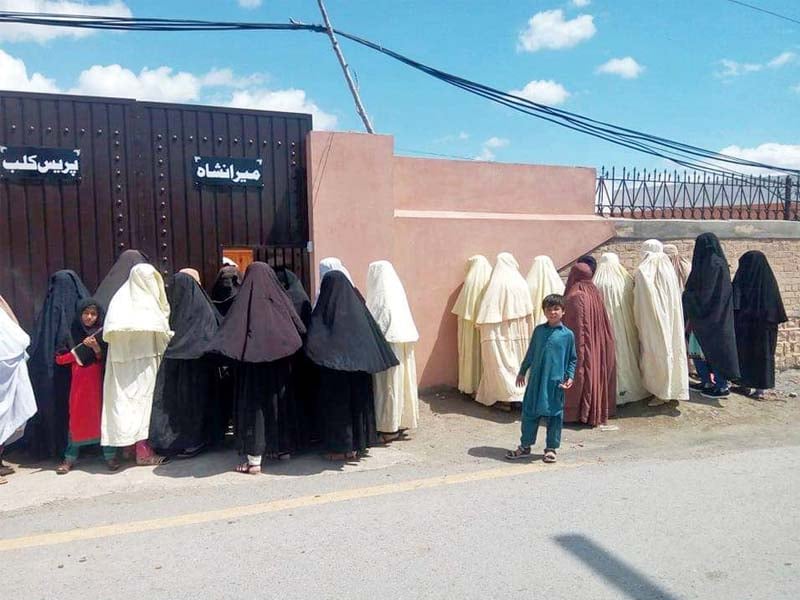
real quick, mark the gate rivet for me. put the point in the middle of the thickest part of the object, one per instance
(250, 142)
(31, 128)
(158, 137)
(121, 244)
(191, 138)
(235, 140)
(163, 217)
(205, 138)
(292, 144)
(164, 259)
(294, 153)
(159, 147)
(116, 132)
(13, 127)
(119, 187)
(161, 176)
(163, 205)
(162, 190)
(294, 163)
(219, 139)
(99, 132)
(120, 230)
(160, 161)
(120, 217)
(66, 129)
(264, 143)
(119, 201)
(83, 131)
(116, 157)
(174, 138)
(118, 172)
(163, 232)
(280, 143)
(116, 143)
(49, 130)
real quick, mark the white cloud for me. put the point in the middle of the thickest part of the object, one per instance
(14, 76)
(489, 146)
(545, 91)
(627, 67)
(581, 3)
(289, 100)
(770, 153)
(784, 58)
(249, 3)
(732, 68)
(549, 30)
(461, 136)
(226, 78)
(160, 84)
(14, 32)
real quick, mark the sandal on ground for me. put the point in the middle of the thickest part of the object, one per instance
(758, 395)
(6, 470)
(152, 461)
(519, 452)
(657, 402)
(388, 438)
(549, 455)
(112, 464)
(3, 480)
(248, 469)
(64, 468)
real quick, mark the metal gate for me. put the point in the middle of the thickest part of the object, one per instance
(136, 189)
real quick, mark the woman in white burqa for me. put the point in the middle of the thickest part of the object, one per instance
(505, 324)
(681, 264)
(479, 270)
(658, 313)
(396, 397)
(543, 280)
(137, 332)
(616, 286)
(17, 402)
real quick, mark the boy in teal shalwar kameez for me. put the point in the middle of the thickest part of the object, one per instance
(551, 359)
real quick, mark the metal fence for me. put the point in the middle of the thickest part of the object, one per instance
(643, 194)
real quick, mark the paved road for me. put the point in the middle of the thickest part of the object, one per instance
(725, 526)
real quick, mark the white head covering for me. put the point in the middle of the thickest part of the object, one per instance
(651, 246)
(507, 296)
(17, 402)
(387, 301)
(683, 266)
(479, 271)
(331, 263)
(543, 280)
(229, 262)
(139, 305)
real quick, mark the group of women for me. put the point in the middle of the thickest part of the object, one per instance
(634, 333)
(149, 371)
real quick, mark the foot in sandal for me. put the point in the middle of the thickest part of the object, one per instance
(248, 469)
(64, 468)
(519, 452)
(151, 461)
(549, 455)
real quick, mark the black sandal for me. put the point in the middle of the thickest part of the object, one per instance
(519, 452)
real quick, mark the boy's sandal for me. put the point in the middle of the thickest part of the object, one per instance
(518, 452)
(64, 468)
(549, 456)
(248, 469)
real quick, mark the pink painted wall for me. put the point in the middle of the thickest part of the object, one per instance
(428, 216)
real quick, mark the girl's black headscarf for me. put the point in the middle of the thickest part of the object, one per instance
(588, 259)
(79, 332)
(117, 276)
(262, 324)
(225, 288)
(342, 334)
(756, 296)
(708, 305)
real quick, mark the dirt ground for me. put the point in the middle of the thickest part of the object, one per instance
(455, 435)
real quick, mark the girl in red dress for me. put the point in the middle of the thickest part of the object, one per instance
(85, 357)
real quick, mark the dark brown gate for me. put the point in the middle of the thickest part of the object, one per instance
(136, 189)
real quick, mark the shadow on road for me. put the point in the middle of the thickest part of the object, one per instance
(450, 401)
(624, 577)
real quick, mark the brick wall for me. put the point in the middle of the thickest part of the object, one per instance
(783, 256)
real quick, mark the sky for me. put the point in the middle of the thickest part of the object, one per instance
(712, 73)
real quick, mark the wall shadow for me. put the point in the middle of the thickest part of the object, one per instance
(624, 577)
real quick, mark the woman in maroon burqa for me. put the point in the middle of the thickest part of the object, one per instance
(592, 399)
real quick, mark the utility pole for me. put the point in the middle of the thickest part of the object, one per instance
(338, 51)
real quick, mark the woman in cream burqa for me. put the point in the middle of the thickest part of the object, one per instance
(396, 396)
(347, 346)
(137, 332)
(46, 433)
(505, 326)
(659, 319)
(185, 401)
(592, 398)
(479, 271)
(259, 336)
(708, 309)
(616, 286)
(543, 280)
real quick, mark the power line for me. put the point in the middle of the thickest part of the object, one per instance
(686, 155)
(765, 11)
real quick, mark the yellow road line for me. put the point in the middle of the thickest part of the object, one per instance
(235, 512)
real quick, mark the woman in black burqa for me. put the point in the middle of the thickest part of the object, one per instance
(225, 288)
(348, 348)
(117, 275)
(304, 375)
(185, 400)
(708, 309)
(259, 336)
(758, 310)
(46, 432)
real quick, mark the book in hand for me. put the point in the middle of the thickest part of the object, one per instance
(83, 354)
